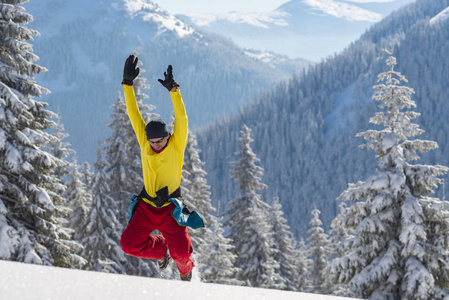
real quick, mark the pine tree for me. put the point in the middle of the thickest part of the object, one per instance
(86, 175)
(318, 252)
(248, 221)
(215, 262)
(60, 149)
(197, 186)
(287, 256)
(339, 234)
(121, 172)
(400, 247)
(79, 200)
(32, 211)
(196, 194)
(218, 260)
(101, 228)
(304, 263)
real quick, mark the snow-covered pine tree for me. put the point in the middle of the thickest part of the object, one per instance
(218, 261)
(318, 243)
(79, 200)
(60, 149)
(287, 255)
(198, 236)
(303, 265)
(198, 187)
(188, 199)
(101, 228)
(196, 194)
(339, 234)
(400, 248)
(248, 220)
(86, 175)
(124, 178)
(32, 211)
(206, 241)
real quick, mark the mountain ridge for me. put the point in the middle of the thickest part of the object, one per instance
(299, 28)
(84, 48)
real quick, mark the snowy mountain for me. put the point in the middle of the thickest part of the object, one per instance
(441, 17)
(84, 44)
(311, 29)
(306, 140)
(44, 282)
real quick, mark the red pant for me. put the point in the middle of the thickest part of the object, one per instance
(137, 241)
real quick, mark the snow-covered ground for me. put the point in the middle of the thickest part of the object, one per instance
(19, 281)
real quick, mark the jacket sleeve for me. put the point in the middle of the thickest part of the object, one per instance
(180, 129)
(134, 114)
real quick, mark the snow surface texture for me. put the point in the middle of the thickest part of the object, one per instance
(21, 281)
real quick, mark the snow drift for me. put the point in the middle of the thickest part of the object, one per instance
(26, 281)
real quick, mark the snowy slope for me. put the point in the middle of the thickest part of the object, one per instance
(21, 281)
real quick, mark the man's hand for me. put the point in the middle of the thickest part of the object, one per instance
(130, 71)
(169, 83)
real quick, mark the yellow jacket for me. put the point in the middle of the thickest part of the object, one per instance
(164, 168)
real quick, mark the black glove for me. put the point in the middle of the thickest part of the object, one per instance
(169, 83)
(130, 71)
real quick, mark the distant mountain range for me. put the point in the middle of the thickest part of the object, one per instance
(304, 130)
(312, 29)
(84, 44)
(441, 18)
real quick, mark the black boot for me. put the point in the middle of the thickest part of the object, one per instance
(163, 263)
(188, 277)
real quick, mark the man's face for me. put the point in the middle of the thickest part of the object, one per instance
(158, 143)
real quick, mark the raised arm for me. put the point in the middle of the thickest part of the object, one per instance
(130, 72)
(180, 129)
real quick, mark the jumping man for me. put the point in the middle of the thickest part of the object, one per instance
(162, 156)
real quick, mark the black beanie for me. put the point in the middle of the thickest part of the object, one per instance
(156, 129)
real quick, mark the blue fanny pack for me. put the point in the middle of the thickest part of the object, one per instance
(184, 217)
